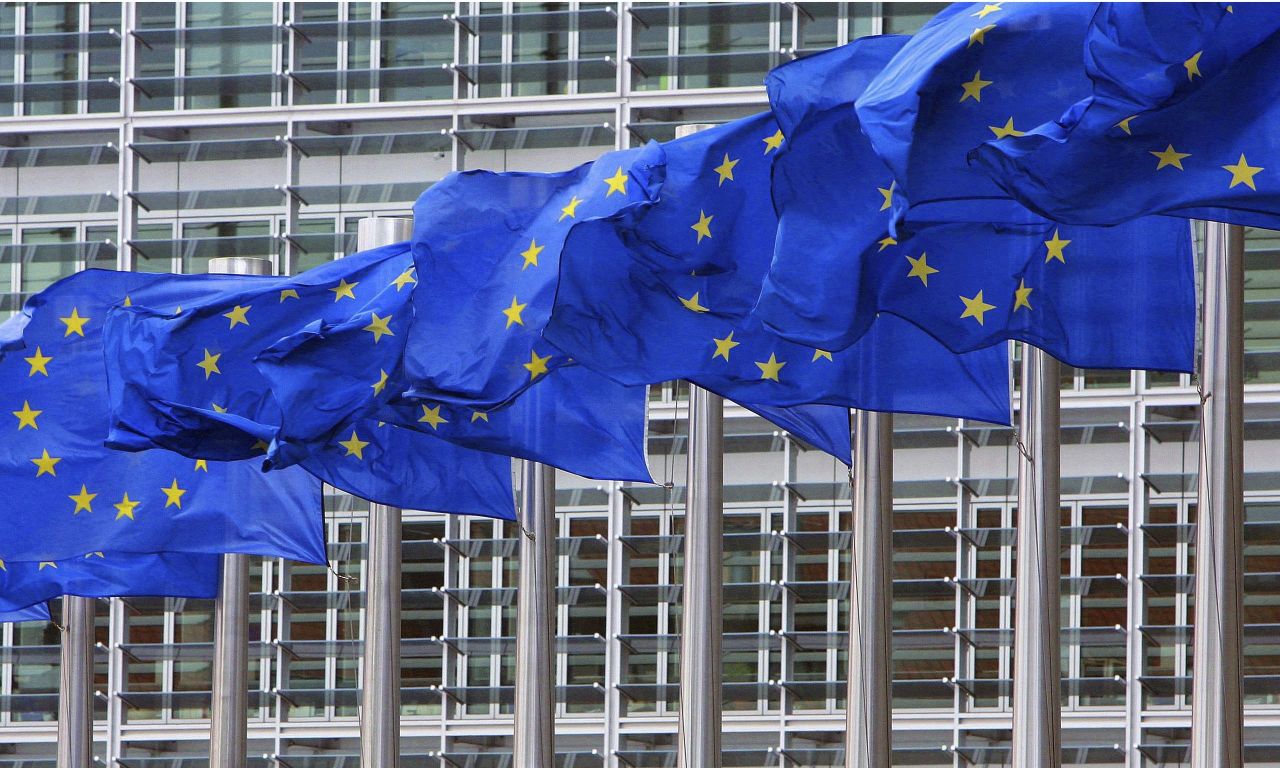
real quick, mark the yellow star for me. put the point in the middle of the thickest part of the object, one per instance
(432, 416)
(173, 495)
(260, 445)
(237, 316)
(703, 227)
(128, 302)
(979, 35)
(75, 323)
(975, 308)
(209, 364)
(201, 464)
(218, 408)
(725, 169)
(1242, 173)
(617, 183)
(724, 346)
(1055, 248)
(530, 254)
(885, 242)
(1192, 65)
(380, 384)
(288, 293)
(1124, 124)
(987, 9)
(773, 142)
(769, 369)
(692, 303)
(404, 278)
(479, 416)
(101, 555)
(379, 327)
(27, 416)
(1006, 130)
(125, 507)
(83, 500)
(536, 365)
(821, 354)
(46, 564)
(920, 268)
(39, 363)
(1170, 156)
(570, 211)
(355, 446)
(1022, 296)
(973, 88)
(45, 464)
(344, 290)
(888, 196)
(513, 312)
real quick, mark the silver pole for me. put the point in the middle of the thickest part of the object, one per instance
(1037, 702)
(536, 620)
(75, 685)
(868, 715)
(380, 691)
(228, 728)
(701, 656)
(1216, 707)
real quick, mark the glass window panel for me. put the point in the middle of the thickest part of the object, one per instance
(37, 275)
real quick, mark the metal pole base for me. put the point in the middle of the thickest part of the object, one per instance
(75, 694)
(536, 620)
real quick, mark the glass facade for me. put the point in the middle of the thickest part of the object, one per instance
(155, 136)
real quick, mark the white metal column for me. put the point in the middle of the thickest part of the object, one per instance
(535, 689)
(75, 684)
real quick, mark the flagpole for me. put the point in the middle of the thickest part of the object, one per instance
(535, 682)
(869, 709)
(1216, 706)
(228, 727)
(701, 658)
(380, 687)
(1037, 702)
(75, 684)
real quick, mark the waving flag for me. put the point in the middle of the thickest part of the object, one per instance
(79, 496)
(103, 574)
(184, 377)
(38, 612)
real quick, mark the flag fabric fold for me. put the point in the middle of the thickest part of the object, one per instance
(37, 612)
(80, 496)
(109, 574)
(189, 381)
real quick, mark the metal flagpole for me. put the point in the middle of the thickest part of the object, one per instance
(536, 620)
(1037, 702)
(1216, 707)
(868, 731)
(228, 729)
(701, 641)
(75, 685)
(380, 691)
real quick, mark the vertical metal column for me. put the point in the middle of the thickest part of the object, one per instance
(1217, 716)
(868, 717)
(1037, 702)
(536, 620)
(701, 657)
(229, 726)
(75, 684)
(380, 686)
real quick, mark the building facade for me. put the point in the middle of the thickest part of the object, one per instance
(154, 136)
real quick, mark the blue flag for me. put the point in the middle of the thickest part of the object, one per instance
(38, 612)
(666, 290)
(1184, 120)
(109, 574)
(187, 380)
(79, 496)
(572, 418)
(1092, 297)
(976, 72)
(487, 248)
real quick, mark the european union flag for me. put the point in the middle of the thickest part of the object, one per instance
(38, 612)
(487, 247)
(109, 574)
(1184, 120)
(976, 72)
(187, 380)
(1092, 297)
(571, 418)
(666, 290)
(79, 496)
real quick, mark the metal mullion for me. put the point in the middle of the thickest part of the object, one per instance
(1136, 595)
(1005, 667)
(965, 562)
(180, 59)
(575, 43)
(167, 666)
(342, 52)
(495, 620)
(451, 623)
(560, 661)
(673, 44)
(82, 61)
(279, 96)
(508, 46)
(6, 670)
(786, 666)
(115, 680)
(764, 606)
(663, 609)
(1075, 603)
(833, 605)
(20, 59)
(623, 74)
